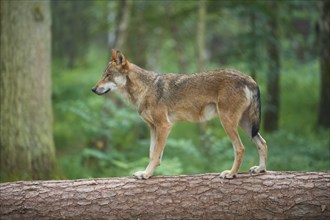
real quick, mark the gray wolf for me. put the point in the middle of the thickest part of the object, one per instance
(163, 99)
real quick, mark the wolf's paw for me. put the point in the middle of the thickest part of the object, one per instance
(257, 169)
(227, 174)
(141, 175)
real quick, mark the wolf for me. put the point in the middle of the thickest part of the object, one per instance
(163, 99)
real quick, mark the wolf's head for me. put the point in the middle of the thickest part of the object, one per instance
(114, 75)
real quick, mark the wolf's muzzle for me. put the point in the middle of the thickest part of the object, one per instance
(100, 91)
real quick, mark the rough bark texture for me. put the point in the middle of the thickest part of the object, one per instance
(26, 141)
(275, 195)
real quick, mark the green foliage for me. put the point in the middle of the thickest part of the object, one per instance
(299, 152)
(67, 39)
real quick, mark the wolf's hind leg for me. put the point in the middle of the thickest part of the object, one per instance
(262, 150)
(229, 122)
(247, 125)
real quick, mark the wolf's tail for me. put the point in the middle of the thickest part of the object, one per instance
(255, 112)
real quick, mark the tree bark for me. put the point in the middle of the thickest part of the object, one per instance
(273, 76)
(200, 36)
(275, 195)
(122, 20)
(26, 141)
(324, 42)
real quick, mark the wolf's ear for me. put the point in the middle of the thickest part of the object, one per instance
(121, 60)
(113, 55)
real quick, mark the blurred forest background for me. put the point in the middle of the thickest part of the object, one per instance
(284, 45)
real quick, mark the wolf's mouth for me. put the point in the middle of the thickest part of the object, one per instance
(108, 90)
(96, 91)
(103, 92)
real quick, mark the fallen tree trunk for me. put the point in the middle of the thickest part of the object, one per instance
(281, 195)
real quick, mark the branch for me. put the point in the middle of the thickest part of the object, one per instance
(281, 195)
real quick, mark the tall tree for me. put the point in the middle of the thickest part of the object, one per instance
(122, 20)
(273, 76)
(200, 35)
(137, 40)
(324, 42)
(26, 141)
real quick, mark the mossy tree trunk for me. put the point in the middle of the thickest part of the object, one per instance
(26, 141)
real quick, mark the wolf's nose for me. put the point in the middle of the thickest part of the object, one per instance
(94, 89)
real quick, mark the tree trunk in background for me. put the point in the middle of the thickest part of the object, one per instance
(176, 32)
(324, 39)
(122, 21)
(273, 76)
(200, 36)
(26, 142)
(137, 40)
(275, 195)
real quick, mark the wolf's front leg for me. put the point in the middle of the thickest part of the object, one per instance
(162, 133)
(153, 138)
